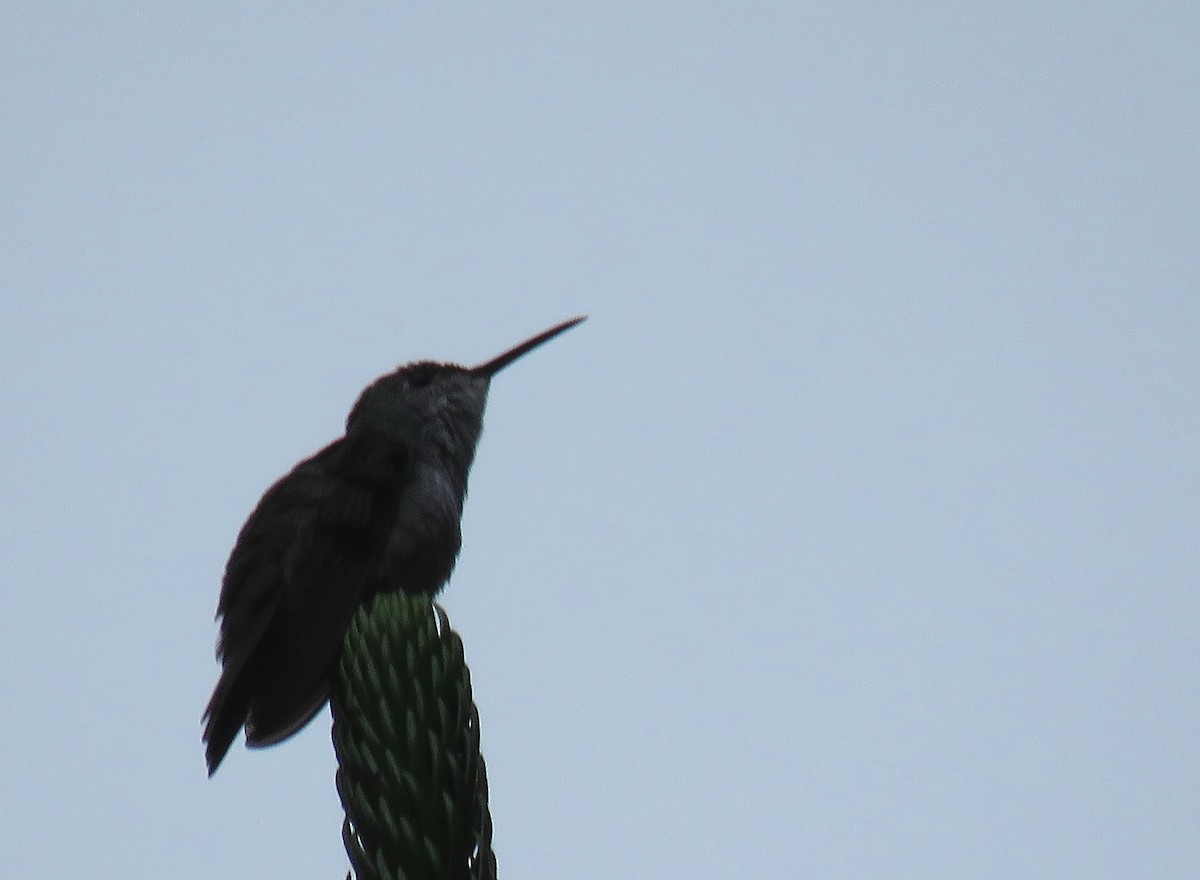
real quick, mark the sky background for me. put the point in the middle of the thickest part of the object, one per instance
(853, 536)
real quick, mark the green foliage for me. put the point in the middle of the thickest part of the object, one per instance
(406, 732)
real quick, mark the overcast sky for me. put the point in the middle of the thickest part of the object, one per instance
(854, 536)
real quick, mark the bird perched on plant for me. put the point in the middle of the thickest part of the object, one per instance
(376, 510)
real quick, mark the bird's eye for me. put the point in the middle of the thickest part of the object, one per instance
(419, 378)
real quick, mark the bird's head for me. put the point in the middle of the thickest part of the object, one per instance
(437, 406)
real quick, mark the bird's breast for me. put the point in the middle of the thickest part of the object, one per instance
(425, 540)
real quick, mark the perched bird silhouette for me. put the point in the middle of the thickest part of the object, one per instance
(377, 510)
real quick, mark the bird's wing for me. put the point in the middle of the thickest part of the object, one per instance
(304, 561)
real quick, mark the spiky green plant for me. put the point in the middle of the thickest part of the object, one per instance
(406, 732)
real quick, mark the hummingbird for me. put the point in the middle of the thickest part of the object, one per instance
(376, 510)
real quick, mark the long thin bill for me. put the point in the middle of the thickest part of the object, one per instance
(498, 363)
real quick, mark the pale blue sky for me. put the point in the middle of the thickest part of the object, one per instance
(854, 536)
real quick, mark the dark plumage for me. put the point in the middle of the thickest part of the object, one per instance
(377, 510)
